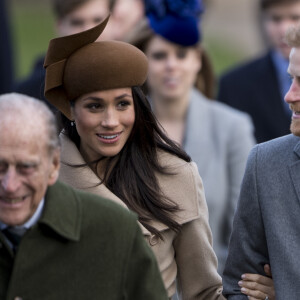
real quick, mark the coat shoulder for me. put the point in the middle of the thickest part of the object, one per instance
(94, 207)
(183, 185)
(277, 151)
(250, 68)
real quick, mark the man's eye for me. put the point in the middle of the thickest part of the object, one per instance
(26, 168)
(3, 166)
(276, 19)
(76, 22)
(295, 18)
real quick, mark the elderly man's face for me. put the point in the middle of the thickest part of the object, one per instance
(26, 170)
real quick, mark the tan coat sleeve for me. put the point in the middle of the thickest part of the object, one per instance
(196, 261)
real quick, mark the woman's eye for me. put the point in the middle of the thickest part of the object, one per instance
(181, 53)
(93, 106)
(159, 55)
(123, 104)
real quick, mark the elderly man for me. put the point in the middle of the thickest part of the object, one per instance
(55, 242)
(266, 228)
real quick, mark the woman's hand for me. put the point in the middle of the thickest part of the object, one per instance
(257, 286)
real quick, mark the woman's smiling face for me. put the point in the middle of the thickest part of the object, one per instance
(104, 121)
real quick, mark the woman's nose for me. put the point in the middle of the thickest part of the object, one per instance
(110, 119)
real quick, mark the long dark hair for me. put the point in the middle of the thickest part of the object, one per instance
(132, 177)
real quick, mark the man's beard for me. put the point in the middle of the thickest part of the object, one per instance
(295, 127)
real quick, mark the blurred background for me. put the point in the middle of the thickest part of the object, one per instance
(230, 32)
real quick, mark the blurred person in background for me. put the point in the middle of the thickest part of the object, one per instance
(258, 87)
(6, 53)
(180, 84)
(71, 16)
(125, 16)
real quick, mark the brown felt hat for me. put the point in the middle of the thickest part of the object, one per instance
(76, 65)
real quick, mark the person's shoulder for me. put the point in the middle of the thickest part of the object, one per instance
(222, 111)
(182, 184)
(231, 113)
(276, 152)
(283, 142)
(245, 68)
(174, 163)
(94, 205)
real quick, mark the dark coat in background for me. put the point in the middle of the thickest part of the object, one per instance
(254, 89)
(6, 53)
(83, 247)
(34, 84)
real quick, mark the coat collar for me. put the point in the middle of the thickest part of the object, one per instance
(85, 179)
(297, 149)
(64, 217)
(295, 168)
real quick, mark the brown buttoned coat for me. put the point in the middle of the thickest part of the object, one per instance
(186, 257)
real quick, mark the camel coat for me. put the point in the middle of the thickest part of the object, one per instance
(188, 256)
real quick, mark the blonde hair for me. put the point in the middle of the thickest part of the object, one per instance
(16, 107)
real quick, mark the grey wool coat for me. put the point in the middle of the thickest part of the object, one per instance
(219, 138)
(266, 227)
(83, 247)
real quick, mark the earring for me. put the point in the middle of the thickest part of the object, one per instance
(72, 123)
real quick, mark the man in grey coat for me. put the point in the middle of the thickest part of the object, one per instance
(266, 227)
(56, 242)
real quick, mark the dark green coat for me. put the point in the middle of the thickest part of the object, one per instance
(83, 247)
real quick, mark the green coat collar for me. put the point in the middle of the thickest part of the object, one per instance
(64, 217)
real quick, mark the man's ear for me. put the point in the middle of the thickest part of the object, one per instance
(55, 166)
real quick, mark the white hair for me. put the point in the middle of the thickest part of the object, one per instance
(32, 112)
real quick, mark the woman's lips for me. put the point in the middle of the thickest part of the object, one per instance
(109, 138)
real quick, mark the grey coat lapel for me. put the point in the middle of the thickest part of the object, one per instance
(197, 129)
(295, 171)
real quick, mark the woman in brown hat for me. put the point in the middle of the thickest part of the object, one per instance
(113, 146)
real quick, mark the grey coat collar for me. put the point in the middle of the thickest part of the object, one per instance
(295, 170)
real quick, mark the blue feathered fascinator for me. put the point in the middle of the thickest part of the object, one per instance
(176, 20)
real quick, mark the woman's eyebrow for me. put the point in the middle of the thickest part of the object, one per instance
(123, 96)
(92, 98)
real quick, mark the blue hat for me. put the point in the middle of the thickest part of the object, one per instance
(176, 20)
